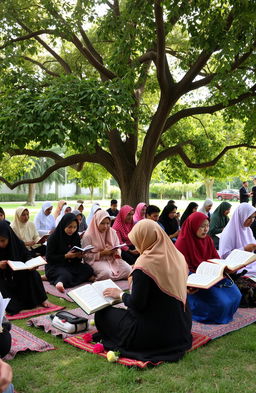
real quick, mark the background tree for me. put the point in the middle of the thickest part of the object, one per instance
(117, 87)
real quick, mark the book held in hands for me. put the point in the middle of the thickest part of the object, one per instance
(211, 272)
(30, 264)
(90, 296)
(85, 249)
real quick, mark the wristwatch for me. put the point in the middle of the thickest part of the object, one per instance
(121, 296)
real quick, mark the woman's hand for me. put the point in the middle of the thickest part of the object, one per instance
(112, 292)
(134, 252)
(107, 252)
(191, 290)
(30, 244)
(3, 265)
(72, 255)
(250, 247)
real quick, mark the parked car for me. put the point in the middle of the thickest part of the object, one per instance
(232, 195)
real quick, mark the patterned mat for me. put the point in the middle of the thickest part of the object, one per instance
(23, 341)
(243, 317)
(34, 311)
(77, 341)
(123, 284)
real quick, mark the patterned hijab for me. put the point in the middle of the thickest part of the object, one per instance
(121, 226)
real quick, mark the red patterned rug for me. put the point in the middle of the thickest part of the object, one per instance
(243, 317)
(23, 341)
(78, 341)
(123, 284)
(34, 311)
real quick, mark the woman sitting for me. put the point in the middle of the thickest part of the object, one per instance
(65, 268)
(24, 287)
(219, 220)
(140, 212)
(2, 216)
(205, 209)
(44, 220)
(169, 222)
(65, 209)
(158, 286)
(123, 225)
(59, 207)
(191, 208)
(218, 303)
(82, 224)
(26, 231)
(95, 207)
(105, 261)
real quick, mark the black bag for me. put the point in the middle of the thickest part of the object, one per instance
(247, 288)
(69, 323)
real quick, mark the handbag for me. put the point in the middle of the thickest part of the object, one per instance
(69, 323)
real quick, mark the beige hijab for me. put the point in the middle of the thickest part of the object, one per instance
(159, 259)
(25, 231)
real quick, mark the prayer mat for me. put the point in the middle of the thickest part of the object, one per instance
(44, 321)
(77, 341)
(34, 311)
(123, 284)
(23, 341)
(242, 317)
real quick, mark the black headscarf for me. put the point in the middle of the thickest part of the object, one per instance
(188, 211)
(15, 249)
(63, 242)
(170, 224)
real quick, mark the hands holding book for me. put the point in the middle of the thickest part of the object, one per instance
(3, 265)
(108, 252)
(250, 247)
(112, 292)
(74, 254)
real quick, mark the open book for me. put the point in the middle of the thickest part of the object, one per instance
(30, 264)
(85, 249)
(90, 296)
(209, 273)
(43, 239)
(118, 246)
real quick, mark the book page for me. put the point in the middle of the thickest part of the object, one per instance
(199, 280)
(100, 286)
(209, 269)
(87, 298)
(206, 275)
(35, 262)
(119, 246)
(3, 305)
(239, 258)
(17, 265)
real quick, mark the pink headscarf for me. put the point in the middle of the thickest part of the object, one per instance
(137, 215)
(101, 240)
(122, 228)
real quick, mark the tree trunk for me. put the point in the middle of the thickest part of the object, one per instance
(209, 188)
(57, 190)
(91, 192)
(31, 194)
(136, 188)
(78, 189)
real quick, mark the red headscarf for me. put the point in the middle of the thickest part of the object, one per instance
(195, 249)
(122, 228)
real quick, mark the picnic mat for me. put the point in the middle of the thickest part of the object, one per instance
(23, 341)
(243, 317)
(123, 284)
(34, 311)
(78, 341)
(44, 321)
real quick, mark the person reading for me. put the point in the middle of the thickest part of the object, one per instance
(24, 288)
(158, 284)
(218, 303)
(140, 212)
(169, 222)
(65, 268)
(219, 220)
(152, 212)
(44, 220)
(104, 258)
(191, 208)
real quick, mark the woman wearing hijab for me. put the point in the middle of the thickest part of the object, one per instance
(191, 208)
(219, 220)
(24, 287)
(82, 224)
(26, 231)
(123, 225)
(218, 303)
(65, 209)
(95, 207)
(106, 262)
(65, 268)
(140, 212)
(158, 285)
(59, 207)
(44, 220)
(2, 216)
(169, 222)
(205, 209)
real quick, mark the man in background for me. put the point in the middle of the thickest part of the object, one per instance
(244, 192)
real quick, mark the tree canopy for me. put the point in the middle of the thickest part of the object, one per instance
(117, 81)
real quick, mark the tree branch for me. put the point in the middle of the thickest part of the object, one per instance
(27, 36)
(41, 66)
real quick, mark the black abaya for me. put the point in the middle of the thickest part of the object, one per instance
(59, 269)
(154, 328)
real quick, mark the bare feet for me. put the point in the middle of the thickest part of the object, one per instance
(44, 278)
(60, 287)
(46, 304)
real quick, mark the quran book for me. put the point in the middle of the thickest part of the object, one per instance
(30, 264)
(118, 246)
(90, 296)
(85, 249)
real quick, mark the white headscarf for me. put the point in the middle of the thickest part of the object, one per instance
(207, 202)
(94, 208)
(62, 213)
(235, 234)
(44, 223)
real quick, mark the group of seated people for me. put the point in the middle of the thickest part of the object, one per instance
(157, 251)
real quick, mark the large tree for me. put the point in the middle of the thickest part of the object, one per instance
(115, 79)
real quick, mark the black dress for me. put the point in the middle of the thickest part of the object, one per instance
(59, 269)
(25, 287)
(154, 328)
